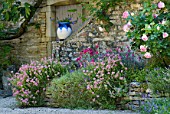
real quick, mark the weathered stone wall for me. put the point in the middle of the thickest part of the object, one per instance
(93, 34)
(33, 44)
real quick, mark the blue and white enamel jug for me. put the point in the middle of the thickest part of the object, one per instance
(64, 30)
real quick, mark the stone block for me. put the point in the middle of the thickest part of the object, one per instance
(117, 12)
(135, 6)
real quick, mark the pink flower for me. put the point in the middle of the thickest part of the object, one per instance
(155, 15)
(161, 5)
(92, 60)
(85, 51)
(147, 55)
(125, 14)
(96, 46)
(78, 59)
(19, 83)
(121, 78)
(96, 52)
(144, 37)
(165, 34)
(143, 48)
(16, 93)
(88, 87)
(117, 75)
(126, 28)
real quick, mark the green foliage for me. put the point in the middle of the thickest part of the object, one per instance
(69, 91)
(5, 56)
(159, 80)
(156, 106)
(136, 75)
(13, 10)
(150, 23)
(30, 82)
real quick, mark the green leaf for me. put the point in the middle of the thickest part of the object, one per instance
(72, 10)
(27, 9)
(7, 16)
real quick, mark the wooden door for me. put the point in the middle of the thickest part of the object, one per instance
(62, 13)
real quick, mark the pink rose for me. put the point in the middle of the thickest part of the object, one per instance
(125, 14)
(143, 48)
(161, 5)
(126, 28)
(144, 37)
(147, 55)
(165, 34)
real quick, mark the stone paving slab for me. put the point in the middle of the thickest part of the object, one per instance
(8, 106)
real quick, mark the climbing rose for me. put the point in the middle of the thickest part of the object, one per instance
(125, 14)
(147, 55)
(161, 5)
(165, 34)
(126, 27)
(143, 48)
(144, 37)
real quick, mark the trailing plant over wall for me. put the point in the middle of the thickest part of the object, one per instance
(102, 10)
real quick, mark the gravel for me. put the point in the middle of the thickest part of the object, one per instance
(9, 106)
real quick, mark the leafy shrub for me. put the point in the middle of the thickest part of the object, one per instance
(29, 83)
(69, 91)
(106, 81)
(149, 30)
(160, 77)
(156, 106)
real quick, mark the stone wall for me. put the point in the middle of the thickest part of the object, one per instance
(33, 43)
(93, 34)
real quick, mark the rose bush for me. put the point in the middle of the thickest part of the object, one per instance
(149, 30)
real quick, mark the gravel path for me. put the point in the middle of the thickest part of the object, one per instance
(8, 106)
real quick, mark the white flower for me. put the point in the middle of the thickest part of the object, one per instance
(163, 22)
(132, 14)
(101, 29)
(149, 27)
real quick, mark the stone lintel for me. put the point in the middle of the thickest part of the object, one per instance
(64, 2)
